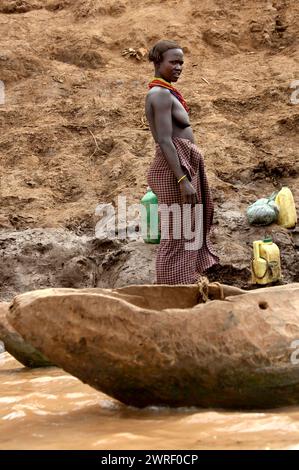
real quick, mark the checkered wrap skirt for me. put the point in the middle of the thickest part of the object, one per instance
(175, 264)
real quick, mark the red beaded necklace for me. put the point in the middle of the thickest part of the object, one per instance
(164, 84)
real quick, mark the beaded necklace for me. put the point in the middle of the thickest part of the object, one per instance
(164, 84)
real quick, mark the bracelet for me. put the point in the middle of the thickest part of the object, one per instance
(182, 177)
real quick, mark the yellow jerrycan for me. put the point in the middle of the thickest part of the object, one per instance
(266, 262)
(287, 211)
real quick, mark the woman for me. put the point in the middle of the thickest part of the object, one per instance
(177, 175)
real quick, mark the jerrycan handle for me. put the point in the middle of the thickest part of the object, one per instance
(256, 256)
(256, 249)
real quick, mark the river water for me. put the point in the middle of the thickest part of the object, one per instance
(49, 409)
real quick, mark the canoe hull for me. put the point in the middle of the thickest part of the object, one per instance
(232, 353)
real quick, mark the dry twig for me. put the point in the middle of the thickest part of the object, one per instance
(205, 80)
(96, 144)
(95, 141)
(143, 124)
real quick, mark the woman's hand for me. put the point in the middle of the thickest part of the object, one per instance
(188, 193)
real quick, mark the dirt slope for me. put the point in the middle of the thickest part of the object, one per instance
(72, 131)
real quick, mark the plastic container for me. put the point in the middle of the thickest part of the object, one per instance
(150, 218)
(266, 262)
(287, 216)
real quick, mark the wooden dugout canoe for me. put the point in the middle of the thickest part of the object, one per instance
(156, 345)
(15, 344)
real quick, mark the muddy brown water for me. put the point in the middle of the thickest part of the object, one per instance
(49, 409)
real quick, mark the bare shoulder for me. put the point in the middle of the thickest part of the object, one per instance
(158, 91)
(158, 96)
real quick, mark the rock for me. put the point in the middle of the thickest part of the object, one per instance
(133, 264)
(37, 258)
(40, 258)
(156, 345)
(16, 346)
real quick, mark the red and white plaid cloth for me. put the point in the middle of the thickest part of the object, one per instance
(175, 264)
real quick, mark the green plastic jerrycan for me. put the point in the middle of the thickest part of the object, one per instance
(150, 218)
